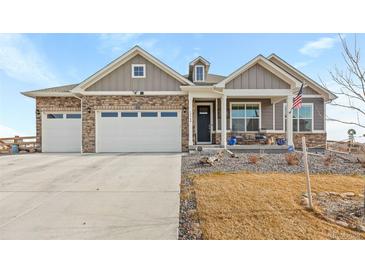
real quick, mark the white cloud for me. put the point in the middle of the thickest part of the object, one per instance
(117, 42)
(148, 44)
(9, 132)
(315, 48)
(20, 60)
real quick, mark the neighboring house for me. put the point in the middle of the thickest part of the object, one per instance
(138, 104)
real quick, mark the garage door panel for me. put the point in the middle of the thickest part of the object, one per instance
(139, 134)
(61, 135)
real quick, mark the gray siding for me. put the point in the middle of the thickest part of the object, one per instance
(279, 109)
(266, 111)
(121, 79)
(318, 113)
(257, 77)
(308, 90)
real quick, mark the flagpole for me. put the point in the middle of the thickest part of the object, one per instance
(300, 90)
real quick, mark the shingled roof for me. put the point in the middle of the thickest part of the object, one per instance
(56, 90)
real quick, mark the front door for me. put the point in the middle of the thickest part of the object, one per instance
(203, 123)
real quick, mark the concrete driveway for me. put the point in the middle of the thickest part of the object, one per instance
(92, 196)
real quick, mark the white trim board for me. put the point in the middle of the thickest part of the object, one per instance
(195, 73)
(132, 93)
(34, 94)
(138, 65)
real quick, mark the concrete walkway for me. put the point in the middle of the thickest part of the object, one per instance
(93, 196)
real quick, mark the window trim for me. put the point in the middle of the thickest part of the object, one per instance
(139, 65)
(312, 118)
(195, 73)
(244, 103)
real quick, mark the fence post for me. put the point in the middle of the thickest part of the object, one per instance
(306, 168)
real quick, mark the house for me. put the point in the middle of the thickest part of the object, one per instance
(139, 104)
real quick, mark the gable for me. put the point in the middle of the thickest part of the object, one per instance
(309, 91)
(257, 77)
(121, 79)
(311, 88)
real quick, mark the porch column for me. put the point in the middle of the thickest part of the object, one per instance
(289, 120)
(190, 119)
(224, 121)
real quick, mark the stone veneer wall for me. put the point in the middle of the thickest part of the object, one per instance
(92, 103)
(49, 104)
(317, 140)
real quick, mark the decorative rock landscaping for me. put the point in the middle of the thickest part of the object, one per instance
(271, 163)
(344, 209)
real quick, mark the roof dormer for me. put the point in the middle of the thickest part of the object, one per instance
(198, 70)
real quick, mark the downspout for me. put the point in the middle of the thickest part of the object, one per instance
(82, 137)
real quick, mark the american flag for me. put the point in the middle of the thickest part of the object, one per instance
(297, 103)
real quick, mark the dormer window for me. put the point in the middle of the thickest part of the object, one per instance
(138, 71)
(199, 73)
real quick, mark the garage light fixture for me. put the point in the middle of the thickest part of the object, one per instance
(37, 111)
(88, 110)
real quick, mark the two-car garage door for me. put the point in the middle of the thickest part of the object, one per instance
(116, 131)
(138, 131)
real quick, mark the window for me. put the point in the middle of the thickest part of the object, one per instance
(138, 70)
(54, 116)
(149, 114)
(73, 116)
(245, 117)
(109, 114)
(129, 114)
(199, 73)
(168, 114)
(302, 118)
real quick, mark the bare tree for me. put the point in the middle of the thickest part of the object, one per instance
(351, 82)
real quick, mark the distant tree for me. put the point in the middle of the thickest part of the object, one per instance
(351, 81)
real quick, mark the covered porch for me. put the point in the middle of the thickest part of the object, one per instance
(255, 119)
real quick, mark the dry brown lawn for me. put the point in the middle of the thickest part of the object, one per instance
(267, 206)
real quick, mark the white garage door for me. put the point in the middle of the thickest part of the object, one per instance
(138, 131)
(61, 132)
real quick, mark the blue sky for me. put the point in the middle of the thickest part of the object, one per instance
(32, 61)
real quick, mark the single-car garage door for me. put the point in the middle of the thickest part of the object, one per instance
(138, 131)
(61, 132)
